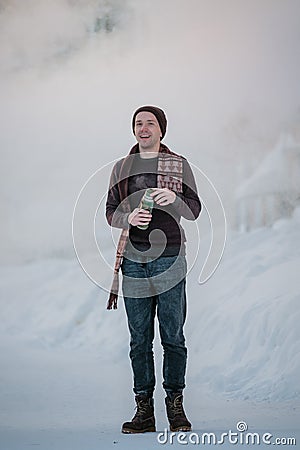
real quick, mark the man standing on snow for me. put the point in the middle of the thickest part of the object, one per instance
(151, 255)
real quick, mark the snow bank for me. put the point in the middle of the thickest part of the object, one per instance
(244, 328)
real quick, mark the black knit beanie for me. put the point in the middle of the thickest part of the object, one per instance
(159, 114)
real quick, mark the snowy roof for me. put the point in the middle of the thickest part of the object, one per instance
(275, 173)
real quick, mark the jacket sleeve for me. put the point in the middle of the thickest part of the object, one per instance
(115, 214)
(187, 204)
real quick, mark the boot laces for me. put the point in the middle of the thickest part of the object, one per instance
(177, 407)
(141, 409)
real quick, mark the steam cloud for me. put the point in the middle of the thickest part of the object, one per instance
(72, 73)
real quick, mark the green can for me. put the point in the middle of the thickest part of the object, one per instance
(147, 203)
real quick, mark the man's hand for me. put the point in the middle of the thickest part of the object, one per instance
(163, 197)
(139, 217)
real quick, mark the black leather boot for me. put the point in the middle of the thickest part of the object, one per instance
(143, 419)
(175, 412)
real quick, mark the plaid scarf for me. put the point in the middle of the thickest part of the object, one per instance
(169, 175)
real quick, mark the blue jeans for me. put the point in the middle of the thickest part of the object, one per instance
(144, 284)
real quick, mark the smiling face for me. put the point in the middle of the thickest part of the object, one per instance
(147, 132)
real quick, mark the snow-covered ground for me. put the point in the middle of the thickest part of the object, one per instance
(65, 373)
